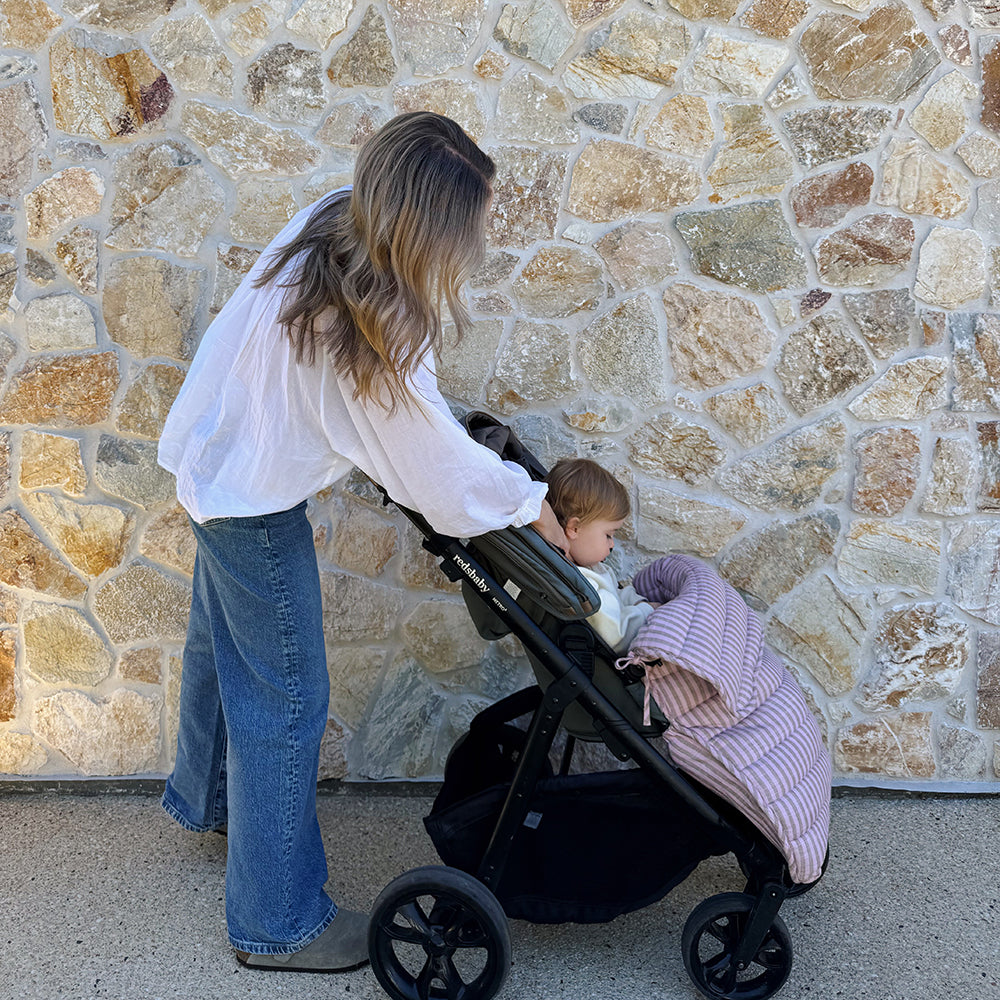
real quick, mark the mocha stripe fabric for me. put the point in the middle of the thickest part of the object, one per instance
(739, 722)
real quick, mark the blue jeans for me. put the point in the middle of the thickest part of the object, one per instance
(254, 701)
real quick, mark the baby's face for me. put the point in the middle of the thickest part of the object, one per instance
(591, 543)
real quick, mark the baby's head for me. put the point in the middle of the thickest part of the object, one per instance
(591, 506)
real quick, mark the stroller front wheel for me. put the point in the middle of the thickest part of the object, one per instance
(437, 933)
(711, 937)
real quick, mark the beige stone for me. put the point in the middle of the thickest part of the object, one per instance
(532, 29)
(144, 665)
(358, 610)
(77, 253)
(713, 338)
(464, 371)
(621, 353)
(904, 553)
(436, 35)
(365, 59)
(594, 414)
(981, 155)
(239, 144)
(61, 646)
(789, 473)
(976, 360)
(142, 604)
(192, 56)
(103, 88)
(454, 99)
(285, 83)
(353, 674)
(613, 179)
(833, 132)
(492, 65)
(72, 390)
(93, 537)
(320, 20)
(440, 635)
(27, 24)
(263, 209)
(117, 735)
(897, 746)
(752, 159)
(635, 56)
(824, 200)
(909, 390)
(418, 569)
(728, 64)
(951, 479)
(21, 754)
(23, 122)
(8, 678)
(145, 405)
(126, 15)
(886, 56)
(151, 306)
(789, 89)
(683, 125)
(232, 265)
(638, 254)
(169, 540)
(70, 195)
(527, 192)
(887, 467)
(582, 11)
(533, 367)
(920, 184)
(360, 541)
(955, 44)
(27, 563)
(60, 322)
(670, 447)
(886, 318)
(869, 252)
(951, 269)
(941, 116)
(333, 752)
(560, 281)
(51, 460)
(750, 415)
(823, 628)
(774, 18)
(990, 55)
(251, 29)
(164, 200)
(530, 110)
(670, 522)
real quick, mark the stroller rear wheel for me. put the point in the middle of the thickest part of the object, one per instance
(711, 937)
(437, 933)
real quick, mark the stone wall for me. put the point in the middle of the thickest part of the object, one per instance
(743, 252)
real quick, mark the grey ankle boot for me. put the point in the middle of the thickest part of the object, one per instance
(341, 947)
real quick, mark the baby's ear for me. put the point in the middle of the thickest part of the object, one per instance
(572, 527)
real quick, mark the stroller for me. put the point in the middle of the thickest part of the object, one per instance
(507, 823)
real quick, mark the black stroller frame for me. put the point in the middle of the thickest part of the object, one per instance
(440, 932)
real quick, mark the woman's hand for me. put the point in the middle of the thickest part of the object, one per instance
(550, 529)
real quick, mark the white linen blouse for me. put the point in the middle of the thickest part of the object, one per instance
(254, 431)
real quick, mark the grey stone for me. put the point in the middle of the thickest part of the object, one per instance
(603, 117)
(887, 319)
(972, 567)
(961, 754)
(533, 367)
(822, 135)
(975, 339)
(670, 522)
(951, 479)
(143, 604)
(286, 84)
(129, 469)
(357, 610)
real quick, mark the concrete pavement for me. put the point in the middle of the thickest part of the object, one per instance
(104, 897)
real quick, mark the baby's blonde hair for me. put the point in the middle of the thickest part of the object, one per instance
(580, 488)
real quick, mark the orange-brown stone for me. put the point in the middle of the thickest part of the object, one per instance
(8, 692)
(991, 86)
(826, 199)
(26, 562)
(72, 390)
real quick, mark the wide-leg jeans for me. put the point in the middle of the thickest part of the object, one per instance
(253, 709)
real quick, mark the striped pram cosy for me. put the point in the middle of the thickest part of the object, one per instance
(739, 722)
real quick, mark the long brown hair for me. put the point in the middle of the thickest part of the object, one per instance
(372, 268)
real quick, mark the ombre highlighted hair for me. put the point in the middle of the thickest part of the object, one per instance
(369, 274)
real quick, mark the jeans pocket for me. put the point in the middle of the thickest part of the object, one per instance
(212, 521)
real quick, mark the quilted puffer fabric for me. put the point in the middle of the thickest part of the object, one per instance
(739, 722)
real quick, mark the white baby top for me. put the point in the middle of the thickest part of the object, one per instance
(622, 610)
(253, 431)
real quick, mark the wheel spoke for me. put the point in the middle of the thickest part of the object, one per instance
(425, 980)
(468, 932)
(723, 929)
(454, 985)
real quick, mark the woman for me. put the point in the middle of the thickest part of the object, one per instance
(322, 360)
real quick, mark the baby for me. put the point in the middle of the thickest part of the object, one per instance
(591, 505)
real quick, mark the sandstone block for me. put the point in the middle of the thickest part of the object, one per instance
(671, 522)
(955, 44)
(61, 322)
(961, 754)
(920, 184)
(941, 117)
(72, 390)
(169, 540)
(71, 194)
(435, 35)
(683, 125)
(28, 24)
(975, 341)
(775, 560)
(613, 179)
(988, 433)
(728, 64)
(350, 123)
(752, 160)
(821, 362)
(909, 390)
(358, 610)
(124, 16)
(832, 132)
(117, 735)
(128, 468)
(143, 665)
(23, 122)
(142, 604)
(582, 11)
(365, 59)
(670, 447)
(527, 191)
(193, 57)
(988, 681)
(463, 373)
(951, 269)
(774, 18)
(61, 646)
(533, 30)
(534, 366)
(952, 476)
(8, 681)
(823, 628)
(824, 200)
(559, 281)
(453, 98)
(441, 637)
(747, 245)
(51, 460)
(21, 753)
(886, 318)
(713, 338)
(77, 252)
(353, 673)
(530, 110)
(898, 746)
(902, 553)
(285, 83)
(750, 415)
(638, 254)
(888, 464)
(319, 20)
(360, 540)
(886, 56)
(990, 56)
(621, 354)
(871, 251)
(790, 473)
(981, 155)
(232, 264)
(145, 405)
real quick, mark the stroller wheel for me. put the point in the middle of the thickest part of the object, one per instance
(437, 933)
(711, 936)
